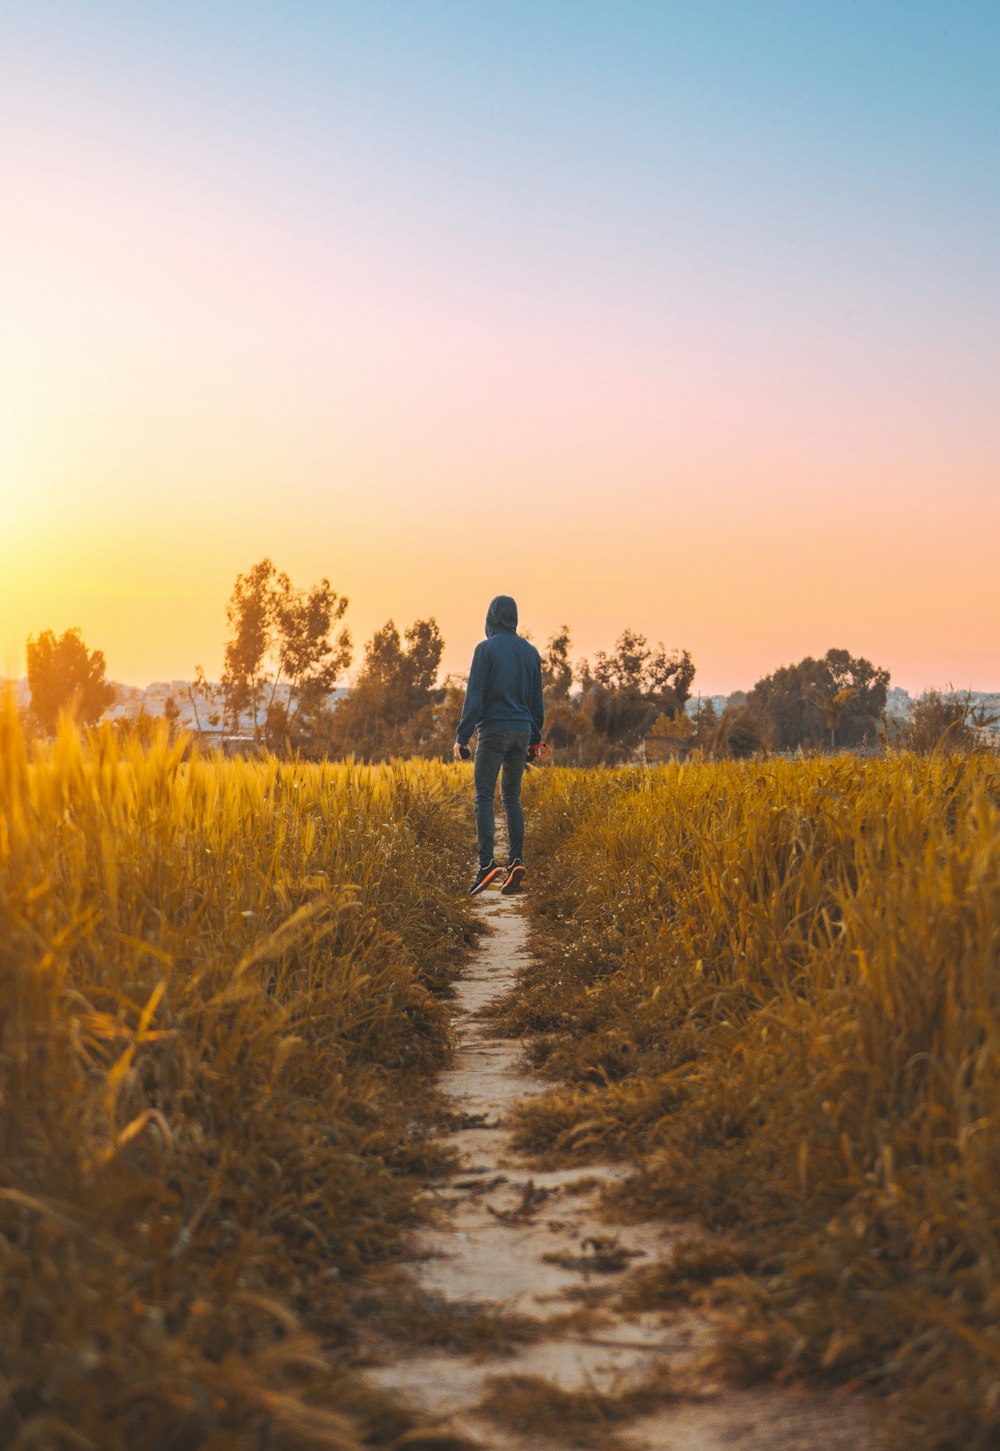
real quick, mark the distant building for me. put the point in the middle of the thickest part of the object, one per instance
(987, 735)
(898, 704)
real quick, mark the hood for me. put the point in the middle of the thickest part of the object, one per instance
(501, 615)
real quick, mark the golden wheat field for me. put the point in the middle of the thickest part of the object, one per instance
(221, 1008)
(776, 987)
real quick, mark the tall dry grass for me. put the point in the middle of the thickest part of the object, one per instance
(778, 987)
(220, 1004)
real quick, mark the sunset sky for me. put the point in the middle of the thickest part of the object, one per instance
(682, 316)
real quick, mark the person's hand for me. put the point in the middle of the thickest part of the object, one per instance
(457, 753)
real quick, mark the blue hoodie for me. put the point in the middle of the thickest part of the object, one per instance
(505, 682)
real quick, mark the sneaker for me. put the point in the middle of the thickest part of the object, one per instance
(484, 876)
(512, 881)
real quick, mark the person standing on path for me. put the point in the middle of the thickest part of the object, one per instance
(503, 700)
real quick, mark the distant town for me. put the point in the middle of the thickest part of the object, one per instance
(179, 700)
(898, 706)
(185, 704)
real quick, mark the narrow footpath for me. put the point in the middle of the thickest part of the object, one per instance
(507, 1240)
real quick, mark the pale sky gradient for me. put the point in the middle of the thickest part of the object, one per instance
(677, 316)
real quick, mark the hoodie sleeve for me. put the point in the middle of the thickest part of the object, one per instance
(537, 703)
(472, 710)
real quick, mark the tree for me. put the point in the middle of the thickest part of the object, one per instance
(627, 690)
(424, 648)
(838, 700)
(281, 637)
(706, 722)
(861, 689)
(567, 724)
(64, 676)
(209, 694)
(634, 669)
(738, 734)
(557, 672)
(250, 616)
(142, 728)
(669, 738)
(432, 730)
(308, 660)
(834, 709)
(942, 721)
(393, 708)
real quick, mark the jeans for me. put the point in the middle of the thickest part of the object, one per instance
(495, 750)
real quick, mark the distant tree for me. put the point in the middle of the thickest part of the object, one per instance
(424, 648)
(392, 707)
(142, 727)
(569, 729)
(942, 721)
(636, 669)
(201, 692)
(627, 690)
(855, 712)
(566, 723)
(432, 729)
(838, 700)
(63, 675)
(557, 672)
(380, 692)
(834, 709)
(281, 636)
(250, 616)
(739, 734)
(309, 662)
(626, 669)
(669, 738)
(705, 722)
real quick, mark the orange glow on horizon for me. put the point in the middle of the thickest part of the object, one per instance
(632, 385)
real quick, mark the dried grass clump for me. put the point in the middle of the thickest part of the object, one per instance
(220, 1007)
(778, 987)
(395, 1308)
(532, 1407)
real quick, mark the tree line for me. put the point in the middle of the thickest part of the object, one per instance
(288, 649)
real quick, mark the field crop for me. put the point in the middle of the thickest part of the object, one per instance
(221, 1003)
(777, 987)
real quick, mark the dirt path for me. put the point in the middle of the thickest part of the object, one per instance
(508, 1240)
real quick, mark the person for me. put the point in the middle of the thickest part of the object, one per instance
(503, 701)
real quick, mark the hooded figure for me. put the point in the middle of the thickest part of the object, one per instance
(505, 680)
(503, 701)
(501, 615)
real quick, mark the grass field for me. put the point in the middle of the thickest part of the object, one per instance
(777, 987)
(220, 1009)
